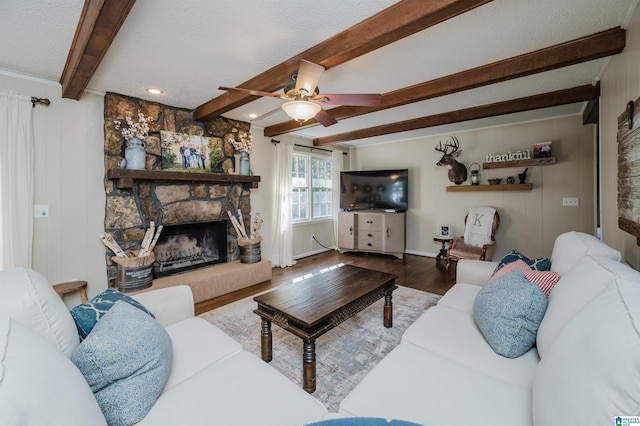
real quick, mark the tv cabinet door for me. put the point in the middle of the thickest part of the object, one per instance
(394, 233)
(347, 230)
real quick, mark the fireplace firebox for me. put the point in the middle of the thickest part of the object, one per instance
(190, 246)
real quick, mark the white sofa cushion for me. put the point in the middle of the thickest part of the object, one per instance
(241, 390)
(39, 385)
(169, 305)
(591, 374)
(573, 291)
(416, 385)
(454, 335)
(27, 297)
(572, 246)
(461, 297)
(197, 344)
(476, 272)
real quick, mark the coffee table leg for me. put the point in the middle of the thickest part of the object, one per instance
(388, 310)
(309, 367)
(266, 341)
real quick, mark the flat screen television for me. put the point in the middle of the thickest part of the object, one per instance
(374, 190)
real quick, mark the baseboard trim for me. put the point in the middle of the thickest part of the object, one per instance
(421, 253)
(311, 253)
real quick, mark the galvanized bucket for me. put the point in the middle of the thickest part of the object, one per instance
(250, 253)
(134, 278)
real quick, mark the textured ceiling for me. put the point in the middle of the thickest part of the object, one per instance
(188, 49)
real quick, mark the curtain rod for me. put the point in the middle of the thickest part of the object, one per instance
(41, 101)
(315, 147)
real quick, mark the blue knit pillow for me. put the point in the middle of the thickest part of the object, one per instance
(539, 264)
(126, 360)
(508, 311)
(87, 315)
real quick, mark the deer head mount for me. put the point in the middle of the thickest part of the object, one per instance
(457, 171)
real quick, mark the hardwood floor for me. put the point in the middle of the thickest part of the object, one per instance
(418, 272)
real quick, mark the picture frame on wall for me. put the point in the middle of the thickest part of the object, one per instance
(628, 138)
(446, 231)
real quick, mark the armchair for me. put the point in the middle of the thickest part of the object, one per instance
(469, 248)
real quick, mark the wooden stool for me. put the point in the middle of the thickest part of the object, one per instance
(72, 287)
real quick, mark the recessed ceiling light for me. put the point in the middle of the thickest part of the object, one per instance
(252, 115)
(155, 91)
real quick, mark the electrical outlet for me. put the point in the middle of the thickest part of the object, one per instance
(570, 201)
(41, 211)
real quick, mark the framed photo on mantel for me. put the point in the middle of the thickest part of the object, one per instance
(190, 153)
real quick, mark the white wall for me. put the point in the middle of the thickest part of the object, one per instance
(530, 220)
(620, 84)
(69, 164)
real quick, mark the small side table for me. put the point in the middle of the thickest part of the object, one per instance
(443, 250)
(71, 287)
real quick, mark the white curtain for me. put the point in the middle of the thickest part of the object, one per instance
(282, 246)
(16, 180)
(336, 163)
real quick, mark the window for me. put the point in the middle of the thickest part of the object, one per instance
(312, 187)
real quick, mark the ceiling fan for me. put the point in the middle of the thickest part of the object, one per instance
(304, 98)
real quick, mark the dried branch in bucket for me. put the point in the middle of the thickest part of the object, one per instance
(110, 242)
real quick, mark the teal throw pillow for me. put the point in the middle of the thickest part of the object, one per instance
(87, 315)
(539, 264)
(508, 311)
(126, 360)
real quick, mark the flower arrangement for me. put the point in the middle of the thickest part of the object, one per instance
(134, 129)
(245, 144)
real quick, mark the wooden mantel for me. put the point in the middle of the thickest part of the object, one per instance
(124, 178)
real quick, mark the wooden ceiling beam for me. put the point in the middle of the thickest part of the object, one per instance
(545, 100)
(595, 46)
(400, 20)
(99, 23)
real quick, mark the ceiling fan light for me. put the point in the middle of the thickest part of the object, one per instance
(301, 110)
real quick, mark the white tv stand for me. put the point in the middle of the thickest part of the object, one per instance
(372, 231)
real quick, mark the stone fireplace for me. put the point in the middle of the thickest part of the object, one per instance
(190, 246)
(185, 208)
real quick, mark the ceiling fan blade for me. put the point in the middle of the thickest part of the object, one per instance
(251, 92)
(324, 118)
(308, 76)
(266, 114)
(362, 99)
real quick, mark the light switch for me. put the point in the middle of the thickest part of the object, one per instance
(41, 211)
(570, 202)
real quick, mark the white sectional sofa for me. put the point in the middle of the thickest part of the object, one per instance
(211, 381)
(584, 369)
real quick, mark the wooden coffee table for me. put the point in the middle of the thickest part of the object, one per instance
(311, 307)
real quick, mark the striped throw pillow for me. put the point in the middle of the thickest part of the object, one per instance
(546, 280)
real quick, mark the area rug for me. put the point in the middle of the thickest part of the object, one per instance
(344, 355)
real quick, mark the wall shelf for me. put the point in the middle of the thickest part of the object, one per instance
(479, 188)
(547, 161)
(124, 178)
